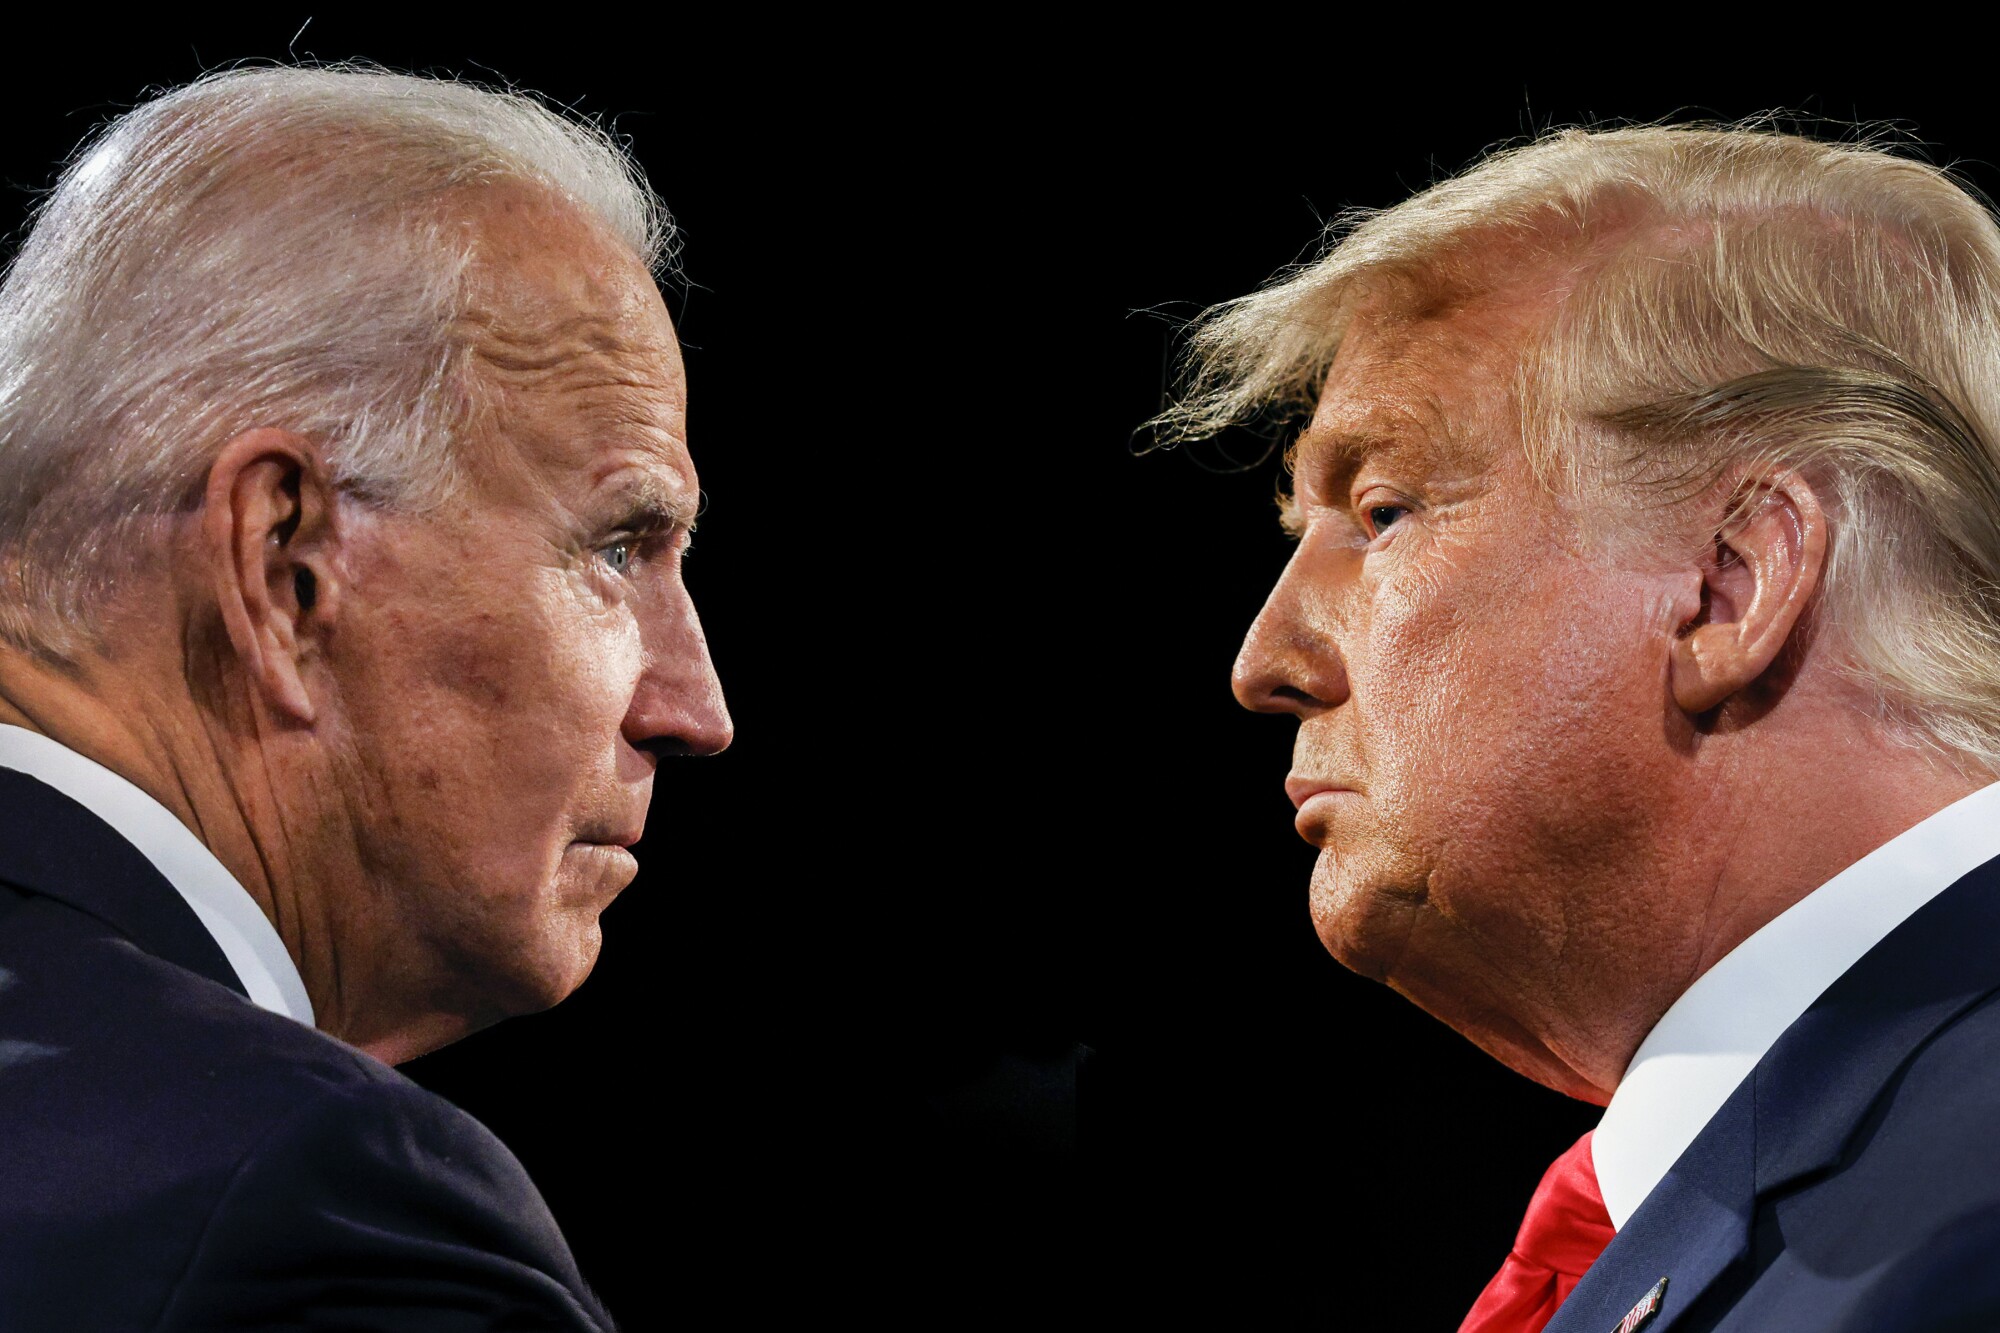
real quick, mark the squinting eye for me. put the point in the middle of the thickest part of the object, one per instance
(1383, 517)
(618, 555)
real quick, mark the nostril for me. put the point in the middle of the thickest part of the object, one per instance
(688, 741)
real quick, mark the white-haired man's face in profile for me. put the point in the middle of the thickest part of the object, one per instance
(488, 687)
(342, 632)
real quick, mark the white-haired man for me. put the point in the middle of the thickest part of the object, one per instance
(1643, 634)
(343, 487)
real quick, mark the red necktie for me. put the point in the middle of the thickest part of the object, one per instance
(1565, 1230)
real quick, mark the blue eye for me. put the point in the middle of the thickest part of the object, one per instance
(618, 556)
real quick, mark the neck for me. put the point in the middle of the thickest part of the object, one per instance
(218, 769)
(1775, 821)
(149, 739)
(1808, 824)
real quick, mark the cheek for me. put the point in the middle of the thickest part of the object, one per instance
(1498, 665)
(508, 706)
(1449, 671)
(598, 659)
(555, 662)
(1528, 742)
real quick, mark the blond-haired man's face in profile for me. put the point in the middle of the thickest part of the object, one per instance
(1479, 692)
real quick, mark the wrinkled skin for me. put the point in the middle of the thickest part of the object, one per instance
(1519, 827)
(423, 742)
(508, 675)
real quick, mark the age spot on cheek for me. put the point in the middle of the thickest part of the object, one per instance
(473, 666)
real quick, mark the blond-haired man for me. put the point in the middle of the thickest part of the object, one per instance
(1643, 634)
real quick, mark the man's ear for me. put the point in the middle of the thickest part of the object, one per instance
(1757, 579)
(267, 526)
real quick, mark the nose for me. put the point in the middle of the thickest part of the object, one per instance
(677, 707)
(1289, 662)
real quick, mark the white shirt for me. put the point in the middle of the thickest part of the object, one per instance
(1708, 1042)
(224, 907)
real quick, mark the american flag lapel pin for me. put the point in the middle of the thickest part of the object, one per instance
(1642, 1313)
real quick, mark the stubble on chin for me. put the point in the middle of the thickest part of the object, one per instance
(1365, 914)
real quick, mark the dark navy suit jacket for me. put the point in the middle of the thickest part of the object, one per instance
(1852, 1183)
(173, 1157)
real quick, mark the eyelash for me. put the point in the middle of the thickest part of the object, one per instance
(638, 545)
(1374, 530)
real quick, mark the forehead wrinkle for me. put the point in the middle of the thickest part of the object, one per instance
(565, 398)
(596, 436)
(529, 353)
(1391, 404)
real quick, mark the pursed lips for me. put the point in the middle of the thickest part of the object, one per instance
(1302, 790)
(1311, 796)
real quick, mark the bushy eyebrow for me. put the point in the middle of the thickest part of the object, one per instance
(649, 505)
(1336, 454)
(1334, 457)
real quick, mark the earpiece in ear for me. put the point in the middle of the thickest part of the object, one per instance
(306, 589)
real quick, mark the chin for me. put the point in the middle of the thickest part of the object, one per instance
(1395, 935)
(523, 971)
(562, 964)
(558, 948)
(1366, 926)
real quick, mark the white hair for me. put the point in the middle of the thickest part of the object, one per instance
(1728, 298)
(264, 247)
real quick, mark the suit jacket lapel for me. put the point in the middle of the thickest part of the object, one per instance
(1829, 1068)
(51, 845)
(1793, 1118)
(1691, 1228)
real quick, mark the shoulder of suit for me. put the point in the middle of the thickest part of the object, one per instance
(170, 1079)
(364, 1195)
(1922, 1163)
(155, 1125)
(1943, 1279)
(1955, 1073)
(113, 1023)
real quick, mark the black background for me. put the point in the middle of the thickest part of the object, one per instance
(990, 797)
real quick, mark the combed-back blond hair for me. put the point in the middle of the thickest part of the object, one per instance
(1725, 297)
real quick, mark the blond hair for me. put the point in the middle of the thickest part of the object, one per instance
(1726, 298)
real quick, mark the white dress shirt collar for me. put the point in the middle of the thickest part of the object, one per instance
(225, 907)
(1714, 1035)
